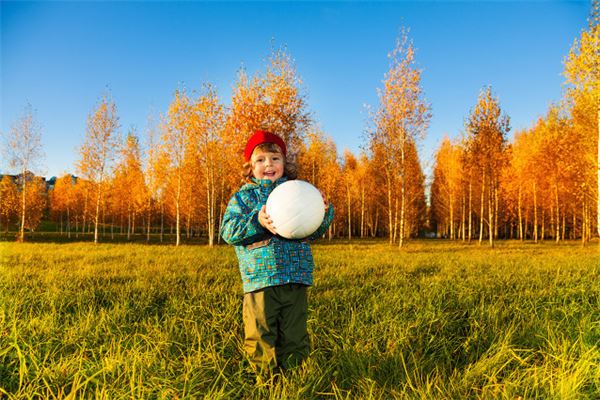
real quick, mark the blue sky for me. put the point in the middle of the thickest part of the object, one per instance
(61, 57)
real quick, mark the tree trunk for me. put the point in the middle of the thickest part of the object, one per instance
(177, 217)
(149, 219)
(376, 225)
(349, 206)
(583, 220)
(128, 225)
(162, 220)
(96, 219)
(23, 207)
(470, 210)
(362, 212)
(84, 216)
(463, 216)
(451, 216)
(535, 214)
(389, 196)
(395, 220)
(543, 224)
(496, 205)
(402, 213)
(68, 224)
(210, 199)
(574, 229)
(481, 209)
(519, 199)
(557, 231)
(491, 223)
(188, 223)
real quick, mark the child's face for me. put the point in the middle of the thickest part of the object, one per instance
(267, 165)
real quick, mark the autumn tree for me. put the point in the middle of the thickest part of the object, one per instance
(447, 186)
(194, 151)
(330, 185)
(98, 151)
(521, 179)
(24, 153)
(349, 173)
(62, 201)
(207, 124)
(312, 156)
(363, 186)
(9, 200)
(582, 71)
(555, 162)
(273, 100)
(318, 164)
(174, 144)
(36, 200)
(129, 185)
(487, 127)
(156, 172)
(416, 207)
(153, 173)
(583, 123)
(403, 116)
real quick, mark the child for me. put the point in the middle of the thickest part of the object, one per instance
(275, 271)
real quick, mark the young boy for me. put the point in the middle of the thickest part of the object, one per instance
(275, 271)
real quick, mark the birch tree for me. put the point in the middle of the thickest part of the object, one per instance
(9, 200)
(403, 115)
(487, 128)
(131, 188)
(98, 151)
(24, 152)
(62, 199)
(447, 188)
(582, 71)
(207, 124)
(273, 101)
(174, 143)
(349, 172)
(153, 174)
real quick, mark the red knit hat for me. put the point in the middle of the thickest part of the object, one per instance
(261, 137)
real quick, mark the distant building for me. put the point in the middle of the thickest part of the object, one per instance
(49, 182)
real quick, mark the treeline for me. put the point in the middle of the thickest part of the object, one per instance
(542, 185)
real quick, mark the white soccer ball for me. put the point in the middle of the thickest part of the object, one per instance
(296, 208)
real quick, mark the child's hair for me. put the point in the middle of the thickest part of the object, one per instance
(290, 170)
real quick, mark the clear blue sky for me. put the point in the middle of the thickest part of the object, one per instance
(61, 57)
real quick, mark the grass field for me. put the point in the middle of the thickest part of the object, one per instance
(435, 320)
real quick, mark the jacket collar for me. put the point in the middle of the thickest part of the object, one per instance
(263, 183)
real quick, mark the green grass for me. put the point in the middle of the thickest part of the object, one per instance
(435, 320)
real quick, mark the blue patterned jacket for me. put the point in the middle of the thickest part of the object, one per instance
(266, 259)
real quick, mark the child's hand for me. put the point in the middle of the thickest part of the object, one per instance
(265, 220)
(325, 201)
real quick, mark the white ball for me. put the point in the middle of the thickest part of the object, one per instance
(296, 208)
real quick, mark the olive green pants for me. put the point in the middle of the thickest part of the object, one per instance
(275, 326)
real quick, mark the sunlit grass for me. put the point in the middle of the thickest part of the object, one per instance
(435, 320)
